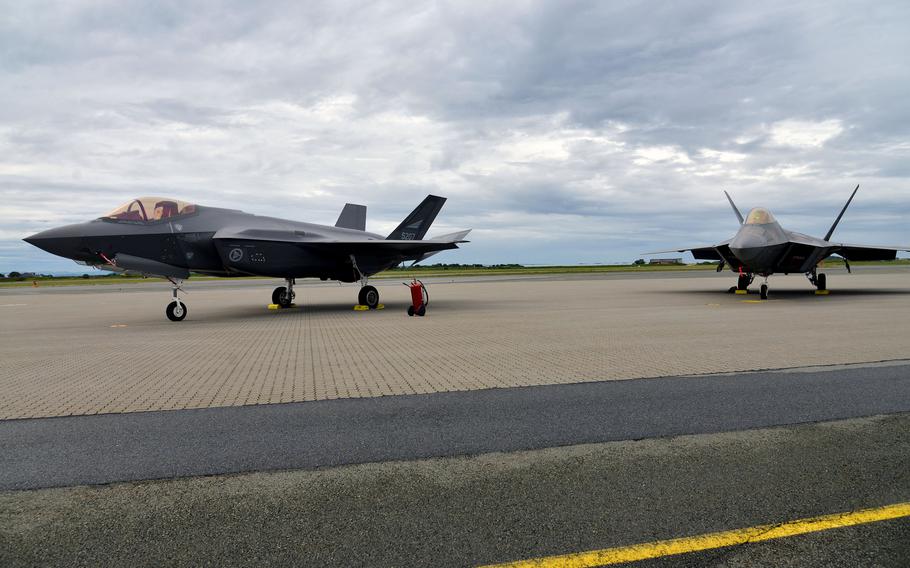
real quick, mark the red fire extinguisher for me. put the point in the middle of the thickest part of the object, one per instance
(419, 298)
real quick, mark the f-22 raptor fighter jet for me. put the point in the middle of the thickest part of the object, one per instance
(170, 238)
(762, 247)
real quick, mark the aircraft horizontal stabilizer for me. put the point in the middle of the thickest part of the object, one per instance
(457, 237)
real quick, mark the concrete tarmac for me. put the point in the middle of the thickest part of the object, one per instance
(522, 418)
(65, 353)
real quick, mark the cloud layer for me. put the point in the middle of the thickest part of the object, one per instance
(561, 132)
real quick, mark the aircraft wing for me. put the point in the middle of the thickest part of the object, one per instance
(346, 246)
(864, 252)
(700, 253)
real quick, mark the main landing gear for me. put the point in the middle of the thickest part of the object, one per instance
(176, 310)
(368, 295)
(742, 283)
(818, 280)
(763, 291)
(284, 296)
(745, 280)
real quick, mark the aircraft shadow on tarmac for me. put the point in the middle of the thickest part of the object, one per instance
(800, 294)
(236, 314)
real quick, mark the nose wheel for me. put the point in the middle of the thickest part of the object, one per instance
(763, 292)
(176, 310)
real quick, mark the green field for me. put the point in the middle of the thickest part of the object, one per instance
(423, 271)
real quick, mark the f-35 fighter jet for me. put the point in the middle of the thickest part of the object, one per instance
(762, 247)
(170, 238)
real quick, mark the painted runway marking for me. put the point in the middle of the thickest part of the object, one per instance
(11, 305)
(710, 541)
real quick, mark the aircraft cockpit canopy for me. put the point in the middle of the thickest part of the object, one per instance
(150, 209)
(759, 216)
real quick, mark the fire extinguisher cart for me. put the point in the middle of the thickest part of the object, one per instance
(419, 298)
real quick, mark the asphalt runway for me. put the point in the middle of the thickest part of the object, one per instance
(152, 445)
(499, 507)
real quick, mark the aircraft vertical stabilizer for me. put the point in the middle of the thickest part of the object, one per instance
(416, 225)
(353, 217)
(735, 208)
(844, 210)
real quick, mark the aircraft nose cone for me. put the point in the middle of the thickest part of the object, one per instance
(61, 241)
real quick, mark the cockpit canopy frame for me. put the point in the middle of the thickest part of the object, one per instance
(145, 210)
(759, 216)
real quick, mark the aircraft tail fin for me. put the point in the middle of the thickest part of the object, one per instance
(416, 225)
(353, 217)
(842, 211)
(735, 208)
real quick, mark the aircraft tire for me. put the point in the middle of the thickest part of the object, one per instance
(742, 283)
(278, 294)
(821, 282)
(764, 292)
(176, 311)
(369, 297)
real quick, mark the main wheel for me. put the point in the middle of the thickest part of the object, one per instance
(369, 297)
(821, 282)
(764, 292)
(176, 311)
(278, 294)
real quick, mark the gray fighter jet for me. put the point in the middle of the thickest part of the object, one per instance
(170, 238)
(762, 247)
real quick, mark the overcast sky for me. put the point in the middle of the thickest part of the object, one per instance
(561, 132)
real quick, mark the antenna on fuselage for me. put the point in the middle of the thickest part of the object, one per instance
(836, 221)
(735, 210)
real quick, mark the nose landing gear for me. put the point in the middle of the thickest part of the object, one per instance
(176, 310)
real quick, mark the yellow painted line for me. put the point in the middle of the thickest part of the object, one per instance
(709, 541)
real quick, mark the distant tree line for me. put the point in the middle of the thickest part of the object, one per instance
(442, 266)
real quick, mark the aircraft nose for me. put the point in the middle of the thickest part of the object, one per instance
(62, 241)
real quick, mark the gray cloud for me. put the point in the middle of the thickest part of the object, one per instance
(611, 124)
